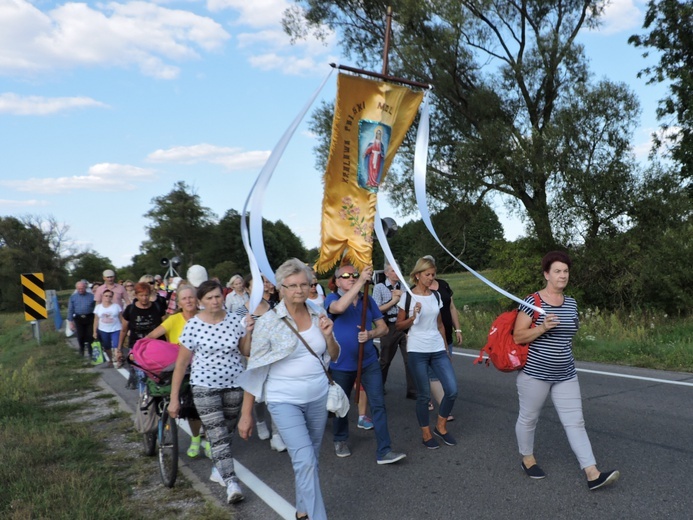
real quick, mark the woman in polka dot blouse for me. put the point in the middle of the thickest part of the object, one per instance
(219, 340)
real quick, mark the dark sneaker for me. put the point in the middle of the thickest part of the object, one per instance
(446, 437)
(606, 478)
(341, 449)
(534, 471)
(431, 444)
(391, 457)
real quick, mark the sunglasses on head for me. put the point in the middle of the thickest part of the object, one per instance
(346, 276)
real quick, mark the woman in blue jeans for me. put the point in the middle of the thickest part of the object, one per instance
(426, 348)
(284, 372)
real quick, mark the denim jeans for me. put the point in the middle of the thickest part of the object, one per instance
(302, 427)
(441, 365)
(372, 381)
(431, 375)
(109, 340)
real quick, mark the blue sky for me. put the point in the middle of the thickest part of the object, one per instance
(105, 105)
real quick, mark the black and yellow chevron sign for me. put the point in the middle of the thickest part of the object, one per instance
(34, 297)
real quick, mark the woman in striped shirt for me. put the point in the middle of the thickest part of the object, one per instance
(550, 369)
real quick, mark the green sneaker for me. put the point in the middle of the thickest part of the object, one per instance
(208, 449)
(194, 449)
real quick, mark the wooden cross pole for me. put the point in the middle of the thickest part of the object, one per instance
(364, 310)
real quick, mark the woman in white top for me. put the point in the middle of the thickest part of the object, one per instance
(315, 296)
(107, 324)
(285, 374)
(219, 340)
(238, 296)
(426, 347)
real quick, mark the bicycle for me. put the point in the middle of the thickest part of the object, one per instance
(164, 440)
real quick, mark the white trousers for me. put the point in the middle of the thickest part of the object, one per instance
(568, 403)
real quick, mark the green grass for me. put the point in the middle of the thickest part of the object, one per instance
(54, 466)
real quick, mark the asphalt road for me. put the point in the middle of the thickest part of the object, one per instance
(638, 425)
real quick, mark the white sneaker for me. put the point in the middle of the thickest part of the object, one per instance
(277, 443)
(216, 477)
(262, 431)
(233, 493)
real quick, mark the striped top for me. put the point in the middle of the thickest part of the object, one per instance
(550, 356)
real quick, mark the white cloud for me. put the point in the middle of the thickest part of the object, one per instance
(33, 203)
(37, 105)
(111, 34)
(620, 16)
(231, 158)
(100, 177)
(255, 13)
(271, 49)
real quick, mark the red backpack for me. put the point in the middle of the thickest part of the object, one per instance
(504, 353)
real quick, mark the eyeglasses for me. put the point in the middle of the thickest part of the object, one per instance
(152, 283)
(346, 276)
(313, 285)
(295, 287)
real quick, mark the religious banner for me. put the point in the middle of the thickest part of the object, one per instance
(371, 119)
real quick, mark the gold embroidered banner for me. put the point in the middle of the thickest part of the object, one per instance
(371, 119)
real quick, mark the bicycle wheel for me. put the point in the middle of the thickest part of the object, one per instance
(149, 443)
(168, 449)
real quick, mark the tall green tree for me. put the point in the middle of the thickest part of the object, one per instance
(670, 36)
(180, 224)
(506, 78)
(89, 265)
(467, 231)
(226, 246)
(25, 248)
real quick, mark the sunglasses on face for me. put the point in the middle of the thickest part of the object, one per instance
(313, 285)
(346, 276)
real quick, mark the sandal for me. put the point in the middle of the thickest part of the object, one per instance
(194, 449)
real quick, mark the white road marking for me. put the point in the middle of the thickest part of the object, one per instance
(612, 374)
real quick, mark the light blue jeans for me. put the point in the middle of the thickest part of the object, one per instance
(441, 365)
(302, 427)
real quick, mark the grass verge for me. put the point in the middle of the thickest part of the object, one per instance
(68, 452)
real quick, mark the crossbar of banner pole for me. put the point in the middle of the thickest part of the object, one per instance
(381, 76)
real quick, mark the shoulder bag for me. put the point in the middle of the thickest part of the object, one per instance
(337, 401)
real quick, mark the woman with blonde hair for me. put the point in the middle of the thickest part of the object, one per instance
(427, 348)
(172, 328)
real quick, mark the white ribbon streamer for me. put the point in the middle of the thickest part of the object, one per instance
(257, 257)
(420, 164)
(385, 246)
